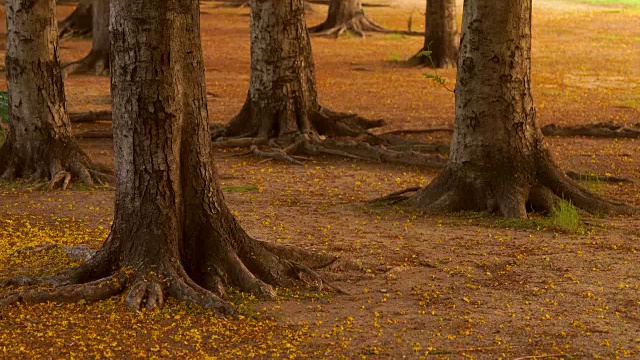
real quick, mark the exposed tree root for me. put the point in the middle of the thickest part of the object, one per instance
(79, 252)
(283, 149)
(78, 23)
(600, 130)
(255, 268)
(90, 116)
(57, 167)
(457, 188)
(348, 136)
(598, 178)
(359, 24)
(96, 63)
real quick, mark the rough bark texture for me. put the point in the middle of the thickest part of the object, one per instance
(39, 144)
(282, 109)
(97, 61)
(79, 22)
(441, 36)
(172, 232)
(348, 15)
(498, 161)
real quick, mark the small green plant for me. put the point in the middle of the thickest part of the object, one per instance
(564, 216)
(435, 77)
(394, 58)
(393, 37)
(592, 182)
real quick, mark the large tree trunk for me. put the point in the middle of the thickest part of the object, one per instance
(441, 38)
(79, 22)
(498, 161)
(282, 100)
(346, 15)
(97, 61)
(172, 232)
(39, 145)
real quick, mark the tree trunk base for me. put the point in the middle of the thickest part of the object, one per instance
(359, 24)
(254, 268)
(460, 189)
(328, 132)
(78, 23)
(60, 163)
(96, 63)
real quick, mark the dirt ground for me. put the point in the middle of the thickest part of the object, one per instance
(462, 286)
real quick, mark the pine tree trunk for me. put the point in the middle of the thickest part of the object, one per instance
(79, 22)
(39, 144)
(97, 61)
(498, 161)
(172, 232)
(441, 36)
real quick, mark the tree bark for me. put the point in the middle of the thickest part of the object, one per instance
(79, 22)
(97, 61)
(498, 161)
(441, 38)
(346, 15)
(39, 144)
(282, 99)
(172, 232)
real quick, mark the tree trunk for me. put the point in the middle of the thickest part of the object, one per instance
(282, 99)
(172, 232)
(346, 15)
(441, 38)
(97, 61)
(498, 161)
(79, 22)
(39, 144)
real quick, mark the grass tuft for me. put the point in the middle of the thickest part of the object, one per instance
(564, 216)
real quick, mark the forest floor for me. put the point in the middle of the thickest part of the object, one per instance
(462, 286)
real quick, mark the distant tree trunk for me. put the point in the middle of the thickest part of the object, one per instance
(172, 233)
(282, 99)
(39, 144)
(346, 15)
(97, 61)
(79, 22)
(441, 36)
(498, 160)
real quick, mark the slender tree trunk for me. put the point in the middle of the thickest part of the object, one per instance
(79, 22)
(97, 61)
(282, 99)
(172, 232)
(441, 36)
(498, 161)
(39, 144)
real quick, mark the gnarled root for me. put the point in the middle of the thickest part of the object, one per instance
(255, 267)
(62, 163)
(359, 24)
(607, 130)
(457, 188)
(96, 63)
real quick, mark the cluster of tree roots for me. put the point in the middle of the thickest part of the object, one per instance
(54, 164)
(323, 131)
(255, 267)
